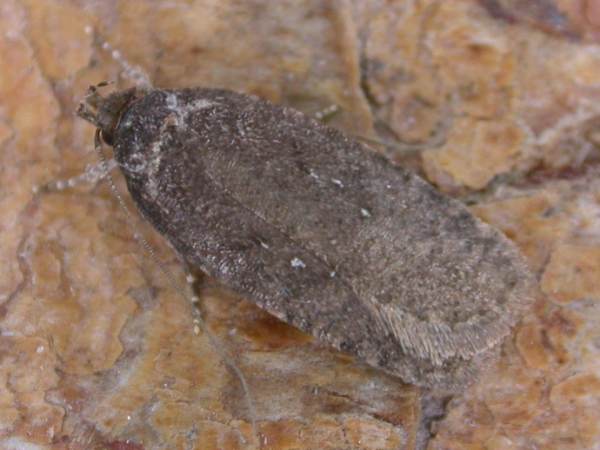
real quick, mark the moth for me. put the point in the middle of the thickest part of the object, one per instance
(317, 229)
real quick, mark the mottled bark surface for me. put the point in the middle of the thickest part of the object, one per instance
(492, 102)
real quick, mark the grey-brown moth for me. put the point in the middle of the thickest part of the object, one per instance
(317, 229)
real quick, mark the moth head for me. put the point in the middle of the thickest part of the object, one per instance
(105, 112)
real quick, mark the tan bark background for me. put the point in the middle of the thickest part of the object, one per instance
(494, 101)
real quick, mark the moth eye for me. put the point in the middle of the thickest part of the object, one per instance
(106, 137)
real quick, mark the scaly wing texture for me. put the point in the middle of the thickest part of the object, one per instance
(323, 233)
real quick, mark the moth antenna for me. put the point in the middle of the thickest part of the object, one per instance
(198, 321)
(132, 72)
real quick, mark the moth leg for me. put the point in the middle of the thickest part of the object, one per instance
(389, 146)
(325, 114)
(194, 278)
(191, 280)
(393, 143)
(93, 174)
